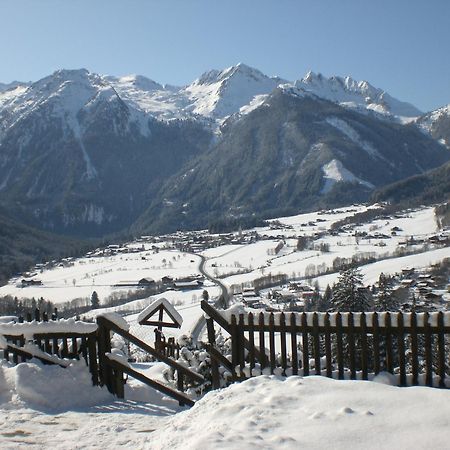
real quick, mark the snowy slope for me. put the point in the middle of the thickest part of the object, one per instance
(356, 94)
(215, 94)
(222, 93)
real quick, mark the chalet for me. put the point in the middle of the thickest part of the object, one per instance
(187, 285)
(146, 282)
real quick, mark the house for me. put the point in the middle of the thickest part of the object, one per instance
(26, 282)
(146, 281)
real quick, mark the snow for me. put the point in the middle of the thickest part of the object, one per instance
(28, 384)
(116, 319)
(335, 172)
(371, 272)
(314, 412)
(101, 274)
(28, 329)
(262, 412)
(353, 135)
(356, 94)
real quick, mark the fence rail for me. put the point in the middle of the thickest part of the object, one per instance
(413, 346)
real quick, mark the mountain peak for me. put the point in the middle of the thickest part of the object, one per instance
(357, 94)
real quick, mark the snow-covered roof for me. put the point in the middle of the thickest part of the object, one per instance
(154, 306)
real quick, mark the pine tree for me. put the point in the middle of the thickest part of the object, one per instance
(385, 299)
(95, 302)
(347, 295)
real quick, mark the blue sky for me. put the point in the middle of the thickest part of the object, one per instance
(398, 45)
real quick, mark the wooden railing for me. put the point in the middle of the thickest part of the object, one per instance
(112, 369)
(413, 346)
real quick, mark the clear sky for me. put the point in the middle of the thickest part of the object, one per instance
(401, 46)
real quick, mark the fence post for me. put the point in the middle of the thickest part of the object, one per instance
(428, 351)
(214, 365)
(294, 354)
(305, 345)
(441, 350)
(401, 348)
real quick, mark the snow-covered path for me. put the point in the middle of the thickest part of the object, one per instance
(120, 424)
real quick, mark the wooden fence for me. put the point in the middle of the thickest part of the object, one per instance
(413, 346)
(62, 345)
(112, 369)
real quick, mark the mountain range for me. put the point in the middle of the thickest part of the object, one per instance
(87, 154)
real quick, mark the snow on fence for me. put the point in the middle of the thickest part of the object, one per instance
(415, 347)
(52, 342)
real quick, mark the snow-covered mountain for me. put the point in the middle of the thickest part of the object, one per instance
(88, 153)
(356, 94)
(437, 124)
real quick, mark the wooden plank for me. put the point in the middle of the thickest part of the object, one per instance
(283, 343)
(305, 345)
(388, 340)
(294, 353)
(215, 354)
(234, 342)
(262, 345)
(251, 340)
(351, 347)
(215, 376)
(92, 351)
(152, 383)
(364, 347)
(135, 340)
(428, 351)
(241, 345)
(340, 347)
(272, 343)
(401, 348)
(414, 351)
(316, 338)
(441, 350)
(328, 355)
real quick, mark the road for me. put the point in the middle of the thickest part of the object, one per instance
(222, 300)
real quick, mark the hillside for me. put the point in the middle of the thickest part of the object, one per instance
(430, 187)
(85, 154)
(293, 152)
(22, 246)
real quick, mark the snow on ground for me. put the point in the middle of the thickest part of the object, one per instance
(100, 274)
(264, 412)
(371, 272)
(314, 412)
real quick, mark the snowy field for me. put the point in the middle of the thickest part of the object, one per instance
(258, 261)
(100, 274)
(263, 412)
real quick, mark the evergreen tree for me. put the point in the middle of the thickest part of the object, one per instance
(95, 301)
(205, 295)
(385, 299)
(347, 295)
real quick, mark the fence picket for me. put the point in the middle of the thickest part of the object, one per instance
(328, 345)
(401, 348)
(388, 340)
(428, 351)
(441, 350)
(376, 344)
(294, 353)
(316, 343)
(305, 345)
(414, 351)
(262, 345)
(283, 343)
(351, 345)
(340, 348)
(272, 342)
(364, 347)
(251, 340)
